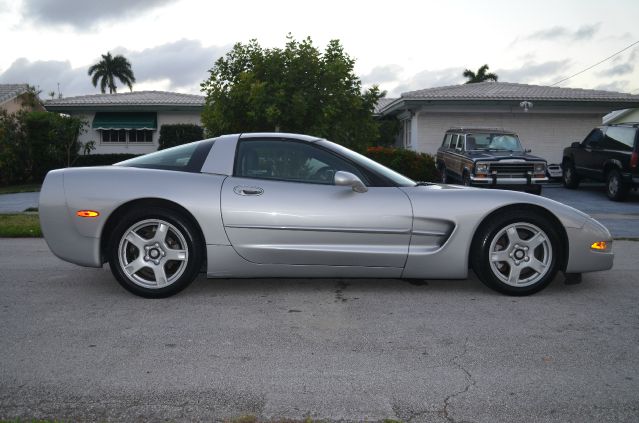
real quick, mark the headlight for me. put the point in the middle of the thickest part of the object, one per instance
(481, 168)
(540, 167)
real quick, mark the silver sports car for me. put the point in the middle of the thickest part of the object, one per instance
(287, 205)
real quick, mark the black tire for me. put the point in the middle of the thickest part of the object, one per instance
(492, 240)
(616, 189)
(570, 177)
(466, 179)
(443, 175)
(178, 237)
(535, 189)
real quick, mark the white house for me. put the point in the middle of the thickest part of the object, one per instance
(15, 97)
(129, 122)
(547, 119)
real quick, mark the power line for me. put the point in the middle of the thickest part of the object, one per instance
(596, 64)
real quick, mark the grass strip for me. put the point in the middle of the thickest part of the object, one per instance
(20, 225)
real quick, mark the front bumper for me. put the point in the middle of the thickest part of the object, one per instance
(496, 180)
(582, 258)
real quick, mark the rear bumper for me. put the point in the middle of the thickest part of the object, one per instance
(60, 233)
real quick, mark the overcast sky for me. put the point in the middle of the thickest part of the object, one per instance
(400, 46)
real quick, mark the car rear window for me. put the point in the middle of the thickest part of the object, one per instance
(185, 158)
(619, 138)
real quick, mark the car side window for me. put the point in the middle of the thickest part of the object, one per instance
(594, 139)
(289, 161)
(453, 141)
(619, 138)
(446, 141)
(460, 142)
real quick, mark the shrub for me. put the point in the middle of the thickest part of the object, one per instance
(101, 159)
(417, 166)
(178, 134)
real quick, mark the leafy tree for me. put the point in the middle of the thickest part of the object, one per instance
(297, 88)
(480, 76)
(110, 68)
(32, 143)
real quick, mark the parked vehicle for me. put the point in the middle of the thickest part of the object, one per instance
(286, 205)
(609, 153)
(489, 158)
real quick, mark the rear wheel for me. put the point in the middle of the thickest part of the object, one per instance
(155, 253)
(616, 189)
(570, 177)
(444, 176)
(516, 253)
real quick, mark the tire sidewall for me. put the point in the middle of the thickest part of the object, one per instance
(481, 251)
(621, 192)
(191, 236)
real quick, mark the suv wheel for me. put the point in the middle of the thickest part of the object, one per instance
(571, 179)
(616, 189)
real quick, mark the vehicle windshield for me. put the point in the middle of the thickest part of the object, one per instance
(493, 142)
(397, 178)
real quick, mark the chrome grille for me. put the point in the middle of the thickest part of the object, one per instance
(519, 170)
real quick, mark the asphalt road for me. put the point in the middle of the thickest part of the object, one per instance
(75, 346)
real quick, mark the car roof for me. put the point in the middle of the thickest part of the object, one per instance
(278, 135)
(479, 129)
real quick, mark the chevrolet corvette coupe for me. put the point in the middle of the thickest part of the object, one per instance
(286, 205)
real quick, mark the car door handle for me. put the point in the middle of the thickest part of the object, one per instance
(240, 190)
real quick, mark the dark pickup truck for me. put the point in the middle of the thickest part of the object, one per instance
(489, 158)
(609, 153)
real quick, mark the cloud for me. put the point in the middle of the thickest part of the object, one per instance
(621, 69)
(185, 63)
(531, 71)
(618, 86)
(178, 66)
(84, 14)
(429, 78)
(381, 74)
(584, 32)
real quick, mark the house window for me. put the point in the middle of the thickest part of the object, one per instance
(124, 136)
(406, 133)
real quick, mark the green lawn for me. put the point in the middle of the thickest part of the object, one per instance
(20, 225)
(13, 189)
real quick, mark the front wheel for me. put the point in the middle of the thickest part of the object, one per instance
(616, 189)
(155, 253)
(516, 253)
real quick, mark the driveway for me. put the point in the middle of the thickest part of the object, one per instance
(17, 203)
(75, 346)
(621, 218)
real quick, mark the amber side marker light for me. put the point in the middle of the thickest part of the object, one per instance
(87, 213)
(599, 245)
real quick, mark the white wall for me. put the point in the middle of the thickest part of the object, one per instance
(164, 118)
(547, 134)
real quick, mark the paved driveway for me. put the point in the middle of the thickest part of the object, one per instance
(621, 218)
(75, 346)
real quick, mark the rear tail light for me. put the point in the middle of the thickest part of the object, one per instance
(634, 159)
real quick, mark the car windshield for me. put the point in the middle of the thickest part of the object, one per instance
(397, 178)
(493, 142)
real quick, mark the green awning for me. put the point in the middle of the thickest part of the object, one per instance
(122, 120)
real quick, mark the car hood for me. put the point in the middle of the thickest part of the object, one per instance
(502, 155)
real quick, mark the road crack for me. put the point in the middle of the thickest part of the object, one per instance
(470, 381)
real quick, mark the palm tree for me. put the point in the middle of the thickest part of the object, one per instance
(109, 68)
(480, 76)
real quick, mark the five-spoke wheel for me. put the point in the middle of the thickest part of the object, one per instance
(516, 253)
(155, 253)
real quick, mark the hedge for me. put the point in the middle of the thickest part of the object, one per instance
(417, 166)
(178, 134)
(101, 159)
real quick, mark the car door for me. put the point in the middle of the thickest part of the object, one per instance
(588, 160)
(281, 207)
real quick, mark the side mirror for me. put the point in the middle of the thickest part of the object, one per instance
(575, 145)
(347, 179)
